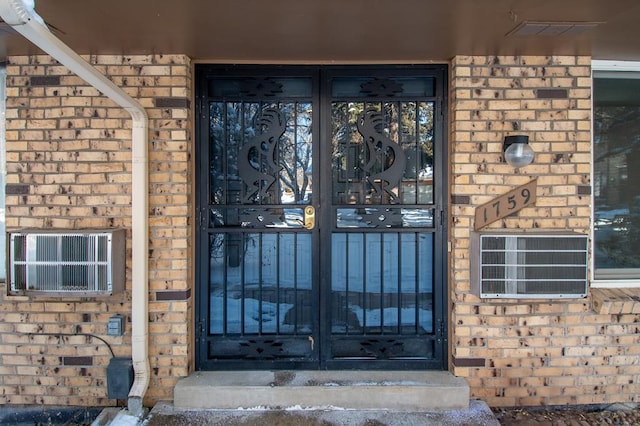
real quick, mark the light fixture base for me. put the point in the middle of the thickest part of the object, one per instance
(517, 152)
(510, 140)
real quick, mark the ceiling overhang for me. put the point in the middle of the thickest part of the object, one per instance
(338, 31)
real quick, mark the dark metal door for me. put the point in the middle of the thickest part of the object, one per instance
(320, 217)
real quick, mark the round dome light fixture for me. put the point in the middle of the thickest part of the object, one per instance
(517, 152)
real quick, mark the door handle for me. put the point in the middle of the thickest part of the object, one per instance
(309, 217)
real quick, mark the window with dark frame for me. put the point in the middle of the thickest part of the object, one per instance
(616, 174)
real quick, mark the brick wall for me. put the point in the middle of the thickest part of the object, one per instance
(530, 352)
(69, 166)
(68, 162)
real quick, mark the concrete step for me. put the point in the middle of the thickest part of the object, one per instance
(357, 390)
(476, 414)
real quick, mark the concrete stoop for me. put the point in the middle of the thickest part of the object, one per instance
(476, 414)
(420, 391)
(317, 398)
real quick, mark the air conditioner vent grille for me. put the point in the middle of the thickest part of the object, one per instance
(72, 263)
(530, 266)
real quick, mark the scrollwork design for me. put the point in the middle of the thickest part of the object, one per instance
(386, 160)
(256, 161)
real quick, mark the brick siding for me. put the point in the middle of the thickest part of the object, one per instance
(68, 163)
(530, 352)
(69, 166)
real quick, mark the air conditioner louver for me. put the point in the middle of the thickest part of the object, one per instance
(529, 265)
(73, 263)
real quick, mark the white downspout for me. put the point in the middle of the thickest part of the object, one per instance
(20, 14)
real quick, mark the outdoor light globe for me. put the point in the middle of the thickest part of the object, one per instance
(519, 154)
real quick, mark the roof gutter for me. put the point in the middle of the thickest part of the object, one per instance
(20, 14)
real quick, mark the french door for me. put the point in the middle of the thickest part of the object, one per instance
(320, 217)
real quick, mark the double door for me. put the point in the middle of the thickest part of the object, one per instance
(321, 218)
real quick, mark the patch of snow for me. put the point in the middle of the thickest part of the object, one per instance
(290, 408)
(315, 408)
(125, 419)
(256, 314)
(372, 317)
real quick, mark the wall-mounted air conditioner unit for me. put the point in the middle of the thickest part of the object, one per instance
(66, 262)
(528, 265)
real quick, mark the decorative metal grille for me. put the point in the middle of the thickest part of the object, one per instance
(257, 159)
(357, 149)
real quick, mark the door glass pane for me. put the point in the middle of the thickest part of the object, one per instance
(382, 152)
(616, 175)
(260, 153)
(382, 283)
(271, 273)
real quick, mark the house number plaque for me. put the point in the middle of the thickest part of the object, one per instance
(506, 204)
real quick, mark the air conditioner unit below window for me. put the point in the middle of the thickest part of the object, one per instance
(66, 263)
(541, 265)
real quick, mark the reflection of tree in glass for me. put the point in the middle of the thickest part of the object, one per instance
(233, 245)
(230, 126)
(410, 124)
(623, 246)
(617, 184)
(295, 152)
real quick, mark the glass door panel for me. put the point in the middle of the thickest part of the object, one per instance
(262, 304)
(383, 143)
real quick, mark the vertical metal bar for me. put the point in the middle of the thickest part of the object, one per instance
(381, 154)
(225, 284)
(399, 141)
(260, 280)
(347, 283)
(417, 160)
(240, 144)
(260, 159)
(295, 283)
(226, 156)
(277, 290)
(243, 276)
(416, 293)
(277, 199)
(364, 282)
(399, 278)
(382, 281)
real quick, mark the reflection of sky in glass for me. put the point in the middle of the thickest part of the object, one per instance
(411, 218)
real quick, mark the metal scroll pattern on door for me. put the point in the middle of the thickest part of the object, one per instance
(257, 160)
(386, 161)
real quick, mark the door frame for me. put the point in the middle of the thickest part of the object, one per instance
(323, 315)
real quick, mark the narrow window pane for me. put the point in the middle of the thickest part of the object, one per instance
(3, 171)
(616, 180)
